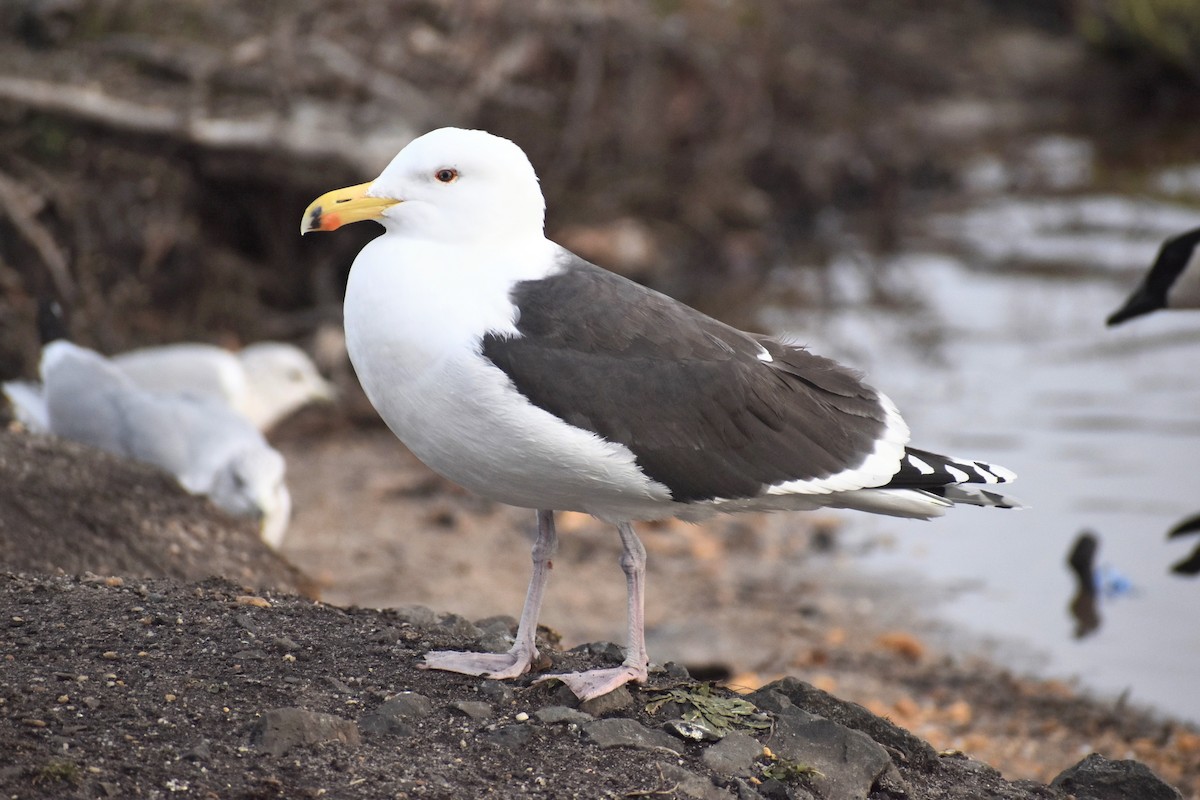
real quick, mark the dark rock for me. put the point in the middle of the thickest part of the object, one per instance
(689, 784)
(916, 751)
(377, 725)
(677, 671)
(691, 731)
(733, 755)
(498, 693)
(387, 636)
(493, 643)
(552, 715)
(849, 761)
(255, 654)
(772, 789)
(397, 715)
(198, 752)
(745, 791)
(339, 685)
(472, 708)
(618, 699)
(418, 616)
(510, 737)
(1097, 778)
(281, 729)
(964, 763)
(605, 651)
(459, 627)
(284, 644)
(500, 625)
(622, 732)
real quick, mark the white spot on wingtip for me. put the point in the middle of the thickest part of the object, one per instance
(958, 474)
(764, 356)
(922, 466)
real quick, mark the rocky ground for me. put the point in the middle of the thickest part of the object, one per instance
(157, 688)
(120, 685)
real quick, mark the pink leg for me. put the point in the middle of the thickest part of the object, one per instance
(524, 652)
(597, 682)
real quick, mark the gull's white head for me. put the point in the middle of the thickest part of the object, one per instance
(252, 485)
(281, 378)
(449, 185)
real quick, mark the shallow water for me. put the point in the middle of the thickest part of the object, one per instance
(1014, 365)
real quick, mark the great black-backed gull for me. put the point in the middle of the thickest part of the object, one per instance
(1172, 282)
(530, 376)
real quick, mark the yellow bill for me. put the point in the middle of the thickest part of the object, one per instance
(340, 207)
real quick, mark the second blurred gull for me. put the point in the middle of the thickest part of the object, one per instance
(264, 382)
(209, 448)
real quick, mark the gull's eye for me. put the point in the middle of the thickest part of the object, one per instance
(446, 175)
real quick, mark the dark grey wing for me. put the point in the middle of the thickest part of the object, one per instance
(708, 411)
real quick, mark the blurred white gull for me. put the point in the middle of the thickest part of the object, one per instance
(210, 449)
(264, 382)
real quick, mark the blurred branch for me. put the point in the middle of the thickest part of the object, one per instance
(345, 64)
(311, 131)
(21, 204)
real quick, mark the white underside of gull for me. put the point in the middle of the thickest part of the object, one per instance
(413, 332)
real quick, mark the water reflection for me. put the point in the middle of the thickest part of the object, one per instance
(1084, 607)
(1010, 359)
(1094, 584)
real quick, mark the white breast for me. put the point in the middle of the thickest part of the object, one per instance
(413, 330)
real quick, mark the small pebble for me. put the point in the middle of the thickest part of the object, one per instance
(520, 717)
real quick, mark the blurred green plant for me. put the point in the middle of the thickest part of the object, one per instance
(1165, 30)
(785, 770)
(57, 771)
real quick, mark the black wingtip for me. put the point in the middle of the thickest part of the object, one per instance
(1139, 303)
(1189, 525)
(51, 321)
(1189, 566)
